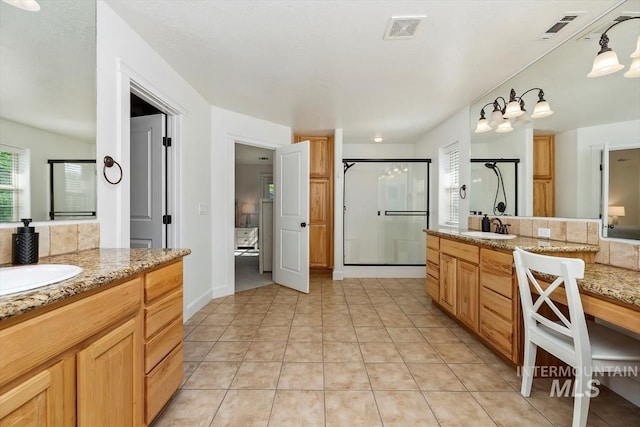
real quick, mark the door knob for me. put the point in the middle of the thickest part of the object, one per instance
(303, 224)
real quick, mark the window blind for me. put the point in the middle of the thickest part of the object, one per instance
(9, 186)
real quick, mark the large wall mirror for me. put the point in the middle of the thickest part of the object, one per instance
(589, 114)
(47, 100)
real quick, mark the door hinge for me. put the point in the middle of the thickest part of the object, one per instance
(166, 141)
(166, 219)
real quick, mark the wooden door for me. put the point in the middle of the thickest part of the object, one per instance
(110, 375)
(467, 302)
(448, 280)
(39, 401)
(543, 176)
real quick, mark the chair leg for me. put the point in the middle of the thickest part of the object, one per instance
(581, 399)
(528, 368)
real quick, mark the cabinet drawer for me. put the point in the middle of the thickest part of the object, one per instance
(433, 242)
(160, 345)
(497, 304)
(433, 269)
(433, 256)
(246, 242)
(497, 331)
(161, 313)
(496, 272)
(162, 281)
(432, 287)
(460, 250)
(162, 382)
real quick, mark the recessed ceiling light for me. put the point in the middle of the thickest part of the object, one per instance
(377, 139)
(30, 5)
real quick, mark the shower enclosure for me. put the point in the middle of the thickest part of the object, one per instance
(494, 187)
(385, 210)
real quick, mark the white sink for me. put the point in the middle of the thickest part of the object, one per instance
(487, 235)
(27, 277)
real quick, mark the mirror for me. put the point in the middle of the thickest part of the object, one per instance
(47, 100)
(588, 112)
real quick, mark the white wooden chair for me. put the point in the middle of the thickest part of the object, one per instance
(587, 346)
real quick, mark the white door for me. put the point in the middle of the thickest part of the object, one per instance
(291, 235)
(147, 183)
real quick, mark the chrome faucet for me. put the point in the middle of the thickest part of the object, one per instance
(500, 227)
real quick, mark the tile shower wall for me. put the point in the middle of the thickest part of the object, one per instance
(56, 239)
(612, 252)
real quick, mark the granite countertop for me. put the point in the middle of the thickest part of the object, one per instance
(100, 267)
(615, 283)
(529, 244)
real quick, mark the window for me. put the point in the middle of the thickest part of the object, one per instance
(268, 188)
(14, 183)
(451, 168)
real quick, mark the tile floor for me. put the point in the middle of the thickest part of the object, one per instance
(361, 352)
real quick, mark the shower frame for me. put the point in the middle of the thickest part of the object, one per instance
(515, 165)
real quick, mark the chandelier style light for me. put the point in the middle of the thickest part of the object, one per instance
(503, 111)
(606, 61)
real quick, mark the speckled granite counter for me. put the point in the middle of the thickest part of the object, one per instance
(101, 267)
(614, 283)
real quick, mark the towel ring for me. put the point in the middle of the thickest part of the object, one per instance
(109, 162)
(463, 192)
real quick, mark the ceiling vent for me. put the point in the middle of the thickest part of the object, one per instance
(595, 33)
(402, 27)
(565, 20)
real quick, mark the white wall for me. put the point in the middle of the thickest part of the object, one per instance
(248, 190)
(338, 201)
(43, 145)
(122, 56)
(377, 151)
(227, 128)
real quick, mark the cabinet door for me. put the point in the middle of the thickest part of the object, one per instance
(39, 401)
(543, 156)
(468, 279)
(543, 197)
(110, 378)
(448, 282)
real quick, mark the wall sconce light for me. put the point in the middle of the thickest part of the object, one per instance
(606, 61)
(503, 111)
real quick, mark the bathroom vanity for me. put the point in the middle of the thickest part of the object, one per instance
(103, 348)
(474, 281)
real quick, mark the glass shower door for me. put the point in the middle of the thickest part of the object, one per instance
(385, 211)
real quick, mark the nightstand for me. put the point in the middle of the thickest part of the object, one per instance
(247, 238)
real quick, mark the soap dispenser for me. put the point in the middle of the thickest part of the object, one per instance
(486, 223)
(25, 244)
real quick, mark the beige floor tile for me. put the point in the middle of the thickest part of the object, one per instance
(338, 334)
(195, 351)
(399, 335)
(229, 308)
(404, 408)
(302, 376)
(357, 300)
(205, 333)
(303, 352)
(228, 351)
(614, 408)
(509, 408)
(479, 377)
(243, 318)
(346, 376)
(187, 369)
(191, 408)
(239, 333)
(196, 319)
(418, 352)
(277, 319)
(343, 320)
(305, 334)
(266, 351)
(457, 409)
(372, 334)
(366, 319)
(257, 375)
(214, 319)
(212, 375)
(378, 352)
(390, 376)
(186, 330)
(298, 408)
(559, 410)
(439, 335)
(341, 352)
(396, 320)
(272, 333)
(435, 377)
(508, 374)
(456, 353)
(351, 408)
(245, 408)
(484, 353)
(307, 319)
(362, 309)
(335, 309)
(257, 306)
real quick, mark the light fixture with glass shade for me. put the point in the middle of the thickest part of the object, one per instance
(29, 5)
(606, 61)
(503, 111)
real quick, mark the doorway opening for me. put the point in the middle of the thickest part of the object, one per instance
(253, 223)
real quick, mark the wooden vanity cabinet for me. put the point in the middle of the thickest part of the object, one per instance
(432, 283)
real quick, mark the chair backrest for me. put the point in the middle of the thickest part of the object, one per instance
(558, 271)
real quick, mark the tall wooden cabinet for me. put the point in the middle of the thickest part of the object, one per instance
(320, 200)
(543, 176)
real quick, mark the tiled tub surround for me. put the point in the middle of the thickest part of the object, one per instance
(617, 253)
(55, 239)
(100, 267)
